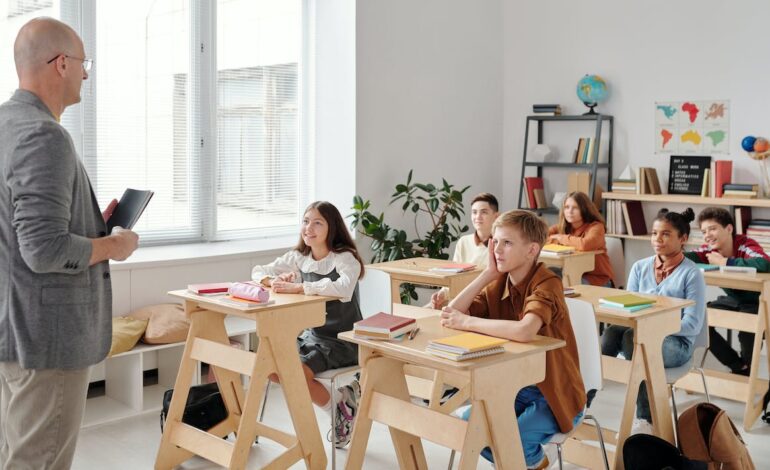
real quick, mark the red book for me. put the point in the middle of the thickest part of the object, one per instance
(383, 323)
(723, 176)
(532, 183)
(210, 288)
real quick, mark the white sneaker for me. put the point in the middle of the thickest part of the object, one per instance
(642, 426)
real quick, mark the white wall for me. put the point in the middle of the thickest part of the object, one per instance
(648, 51)
(429, 96)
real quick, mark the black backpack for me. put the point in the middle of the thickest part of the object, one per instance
(646, 452)
(204, 409)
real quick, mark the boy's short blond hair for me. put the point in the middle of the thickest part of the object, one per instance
(532, 227)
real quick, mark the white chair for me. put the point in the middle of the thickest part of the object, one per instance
(374, 297)
(673, 374)
(617, 260)
(584, 325)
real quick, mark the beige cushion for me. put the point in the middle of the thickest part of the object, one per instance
(167, 323)
(126, 333)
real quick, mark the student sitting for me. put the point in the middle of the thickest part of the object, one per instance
(517, 298)
(324, 262)
(723, 247)
(582, 226)
(472, 248)
(669, 274)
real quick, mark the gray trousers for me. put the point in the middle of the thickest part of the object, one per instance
(40, 415)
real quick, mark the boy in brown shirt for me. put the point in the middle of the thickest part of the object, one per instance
(516, 297)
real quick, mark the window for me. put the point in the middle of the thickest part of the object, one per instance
(198, 101)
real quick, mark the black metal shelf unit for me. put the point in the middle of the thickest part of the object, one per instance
(592, 167)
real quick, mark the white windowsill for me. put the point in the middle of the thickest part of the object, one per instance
(175, 255)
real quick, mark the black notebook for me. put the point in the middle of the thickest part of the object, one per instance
(129, 209)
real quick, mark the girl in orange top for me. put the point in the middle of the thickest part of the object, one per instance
(582, 226)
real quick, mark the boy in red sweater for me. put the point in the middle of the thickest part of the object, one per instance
(723, 247)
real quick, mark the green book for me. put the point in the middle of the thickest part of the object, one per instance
(707, 267)
(625, 301)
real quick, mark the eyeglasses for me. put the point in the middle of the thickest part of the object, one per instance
(87, 63)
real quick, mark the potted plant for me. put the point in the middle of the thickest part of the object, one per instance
(442, 208)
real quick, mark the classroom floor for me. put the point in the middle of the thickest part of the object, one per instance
(131, 444)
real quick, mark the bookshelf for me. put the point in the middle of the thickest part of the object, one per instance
(538, 124)
(687, 199)
(684, 199)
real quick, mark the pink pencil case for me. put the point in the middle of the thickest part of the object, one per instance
(248, 291)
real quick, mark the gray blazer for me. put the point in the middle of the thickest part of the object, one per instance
(55, 310)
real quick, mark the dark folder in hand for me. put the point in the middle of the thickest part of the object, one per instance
(129, 209)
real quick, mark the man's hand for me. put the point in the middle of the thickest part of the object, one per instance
(437, 300)
(455, 319)
(107, 213)
(125, 242)
(716, 258)
(283, 287)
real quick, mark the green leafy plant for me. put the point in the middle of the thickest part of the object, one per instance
(441, 206)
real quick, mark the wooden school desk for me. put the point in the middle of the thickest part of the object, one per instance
(573, 265)
(417, 271)
(749, 389)
(493, 381)
(650, 326)
(278, 326)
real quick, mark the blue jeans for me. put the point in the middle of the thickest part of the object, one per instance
(536, 423)
(620, 339)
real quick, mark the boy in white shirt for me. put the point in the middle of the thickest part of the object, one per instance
(472, 248)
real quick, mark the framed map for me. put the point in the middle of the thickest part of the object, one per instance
(692, 127)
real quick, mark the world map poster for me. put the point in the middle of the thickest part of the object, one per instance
(692, 127)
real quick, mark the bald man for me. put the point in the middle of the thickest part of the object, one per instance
(55, 292)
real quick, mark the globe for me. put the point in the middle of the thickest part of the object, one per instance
(591, 90)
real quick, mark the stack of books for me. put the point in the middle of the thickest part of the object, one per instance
(383, 326)
(648, 181)
(627, 186)
(554, 249)
(759, 230)
(626, 302)
(546, 109)
(465, 346)
(745, 191)
(535, 192)
(453, 268)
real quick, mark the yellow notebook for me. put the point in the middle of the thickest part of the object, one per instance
(466, 342)
(553, 247)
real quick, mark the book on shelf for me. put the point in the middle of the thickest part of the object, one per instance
(540, 199)
(742, 219)
(383, 326)
(211, 288)
(704, 192)
(453, 268)
(648, 181)
(531, 183)
(739, 194)
(633, 215)
(625, 300)
(722, 174)
(740, 187)
(559, 249)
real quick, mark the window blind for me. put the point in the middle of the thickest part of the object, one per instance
(198, 101)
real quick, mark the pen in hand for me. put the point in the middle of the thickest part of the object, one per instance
(413, 333)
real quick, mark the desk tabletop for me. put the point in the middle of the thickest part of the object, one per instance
(420, 266)
(281, 301)
(751, 282)
(662, 304)
(575, 254)
(413, 351)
